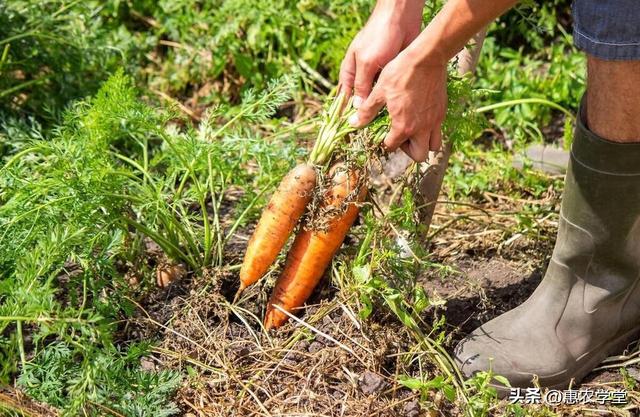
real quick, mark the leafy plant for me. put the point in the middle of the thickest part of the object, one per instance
(51, 52)
(73, 203)
(530, 55)
(207, 47)
(98, 379)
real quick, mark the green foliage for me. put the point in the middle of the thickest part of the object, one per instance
(85, 382)
(114, 156)
(193, 168)
(541, 62)
(532, 24)
(483, 393)
(246, 42)
(74, 200)
(462, 122)
(55, 51)
(630, 382)
(476, 169)
(386, 272)
(50, 53)
(383, 274)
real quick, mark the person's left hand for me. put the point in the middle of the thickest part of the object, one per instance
(416, 97)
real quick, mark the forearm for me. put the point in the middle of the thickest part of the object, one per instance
(413, 80)
(401, 9)
(452, 27)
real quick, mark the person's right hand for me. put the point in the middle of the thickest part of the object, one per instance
(392, 26)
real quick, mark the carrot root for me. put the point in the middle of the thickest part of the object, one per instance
(312, 251)
(278, 220)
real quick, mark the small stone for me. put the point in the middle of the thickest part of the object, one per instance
(152, 247)
(411, 409)
(315, 347)
(337, 394)
(147, 365)
(295, 355)
(167, 274)
(132, 279)
(634, 373)
(302, 345)
(290, 362)
(370, 383)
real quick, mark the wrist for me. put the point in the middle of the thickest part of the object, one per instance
(426, 53)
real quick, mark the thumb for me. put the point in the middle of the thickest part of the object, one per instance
(368, 110)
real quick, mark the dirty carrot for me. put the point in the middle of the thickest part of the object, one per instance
(279, 218)
(313, 250)
(288, 203)
(169, 273)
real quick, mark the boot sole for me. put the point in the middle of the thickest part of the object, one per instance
(613, 347)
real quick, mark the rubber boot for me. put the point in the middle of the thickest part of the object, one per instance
(587, 307)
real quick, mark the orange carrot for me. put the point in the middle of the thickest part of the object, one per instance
(279, 218)
(167, 273)
(313, 250)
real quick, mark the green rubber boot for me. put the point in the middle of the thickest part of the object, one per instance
(587, 307)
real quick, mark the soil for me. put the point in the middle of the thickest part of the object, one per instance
(481, 290)
(344, 366)
(242, 371)
(341, 365)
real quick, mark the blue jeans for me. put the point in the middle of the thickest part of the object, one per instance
(608, 29)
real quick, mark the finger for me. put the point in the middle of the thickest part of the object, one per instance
(417, 148)
(435, 143)
(363, 82)
(394, 139)
(368, 109)
(347, 73)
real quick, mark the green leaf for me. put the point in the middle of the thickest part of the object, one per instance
(244, 65)
(502, 380)
(362, 274)
(421, 301)
(449, 392)
(411, 383)
(367, 309)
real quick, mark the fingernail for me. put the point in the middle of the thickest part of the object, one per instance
(357, 101)
(354, 120)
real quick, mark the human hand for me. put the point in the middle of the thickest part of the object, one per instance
(392, 26)
(415, 93)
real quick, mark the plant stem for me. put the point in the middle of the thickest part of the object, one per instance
(334, 127)
(525, 101)
(237, 222)
(23, 356)
(41, 319)
(22, 85)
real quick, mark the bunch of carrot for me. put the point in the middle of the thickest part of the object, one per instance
(312, 249)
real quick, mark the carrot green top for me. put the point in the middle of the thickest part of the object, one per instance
(333, 128)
